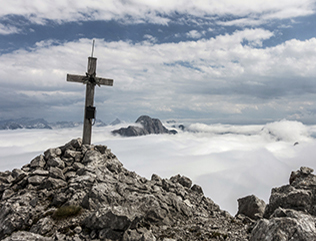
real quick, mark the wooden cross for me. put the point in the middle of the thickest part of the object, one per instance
(90, 80)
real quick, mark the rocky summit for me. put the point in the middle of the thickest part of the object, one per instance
(83, 192)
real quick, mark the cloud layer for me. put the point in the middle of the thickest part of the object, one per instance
(228, 161)
(229, 74)
(152, 11)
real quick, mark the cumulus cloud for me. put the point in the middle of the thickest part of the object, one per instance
(8, 29)
(150, 38)
(195, 34)
(151, 11)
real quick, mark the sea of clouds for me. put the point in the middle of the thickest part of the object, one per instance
(228, 161)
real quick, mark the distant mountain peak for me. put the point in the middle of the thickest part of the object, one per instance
(115, 122)
(149, 126)
(24, 122)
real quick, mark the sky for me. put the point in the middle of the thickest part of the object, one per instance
(228, 161)
(235, 62)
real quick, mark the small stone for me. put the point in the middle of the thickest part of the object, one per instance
(185, 181)
(7, 194)
(55, 172)
(294, 175)
(38, 161)
(101, 148)
(39, 172)
(36, 180)
(77, 229)
(93, 234)
(78, 165)
(188, 203)
(197, 188)
(156, 178)
(68, 161)
(56, 162)
(33, 202)
(59, 199)
(18, 174)
(175, 178)
(306, 170)
(69, 175)
(71, 153)
(43, 226)
(92, 157)
(76, 143)
(52, 183)
(52, 153)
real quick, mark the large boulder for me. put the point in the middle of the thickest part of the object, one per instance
(298, 195)
(285, 224)
(251, 206)
(148, 126)
(290, 214)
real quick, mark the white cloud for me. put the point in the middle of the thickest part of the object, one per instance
(150, 38)
(7, 29)
(151, 11)
(195, 34)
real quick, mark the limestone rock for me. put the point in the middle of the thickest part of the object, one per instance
(38, 162)
(251, 206)
(52, 153)
(285, 224)
(36, 180)
(52, 183)
(197, 188)
(115, 218)
(55, 172)
(290, 214)
(18, 175)
(56, 162)
(299, 195)
(92, 157)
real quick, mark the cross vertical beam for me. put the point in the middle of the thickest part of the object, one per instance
(87, 123)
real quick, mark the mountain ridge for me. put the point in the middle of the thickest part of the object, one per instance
(40, 123)
(147, 126)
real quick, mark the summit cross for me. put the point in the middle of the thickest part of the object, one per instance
(90, 80)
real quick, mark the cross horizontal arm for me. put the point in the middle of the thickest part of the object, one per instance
(75, 78)
(103, 81)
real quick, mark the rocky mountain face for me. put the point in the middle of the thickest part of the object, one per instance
(83, 192)
(26, 123)
(39, 123)
(149, 126)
